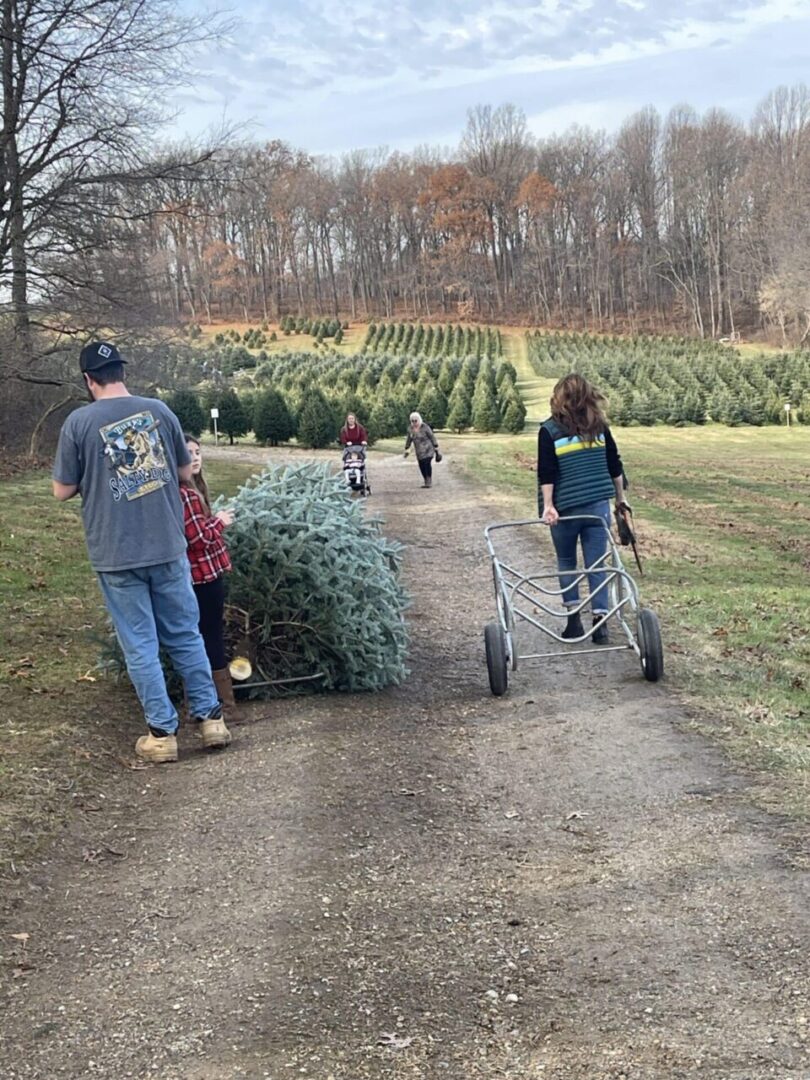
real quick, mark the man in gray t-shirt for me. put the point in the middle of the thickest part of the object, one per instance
(125, 456)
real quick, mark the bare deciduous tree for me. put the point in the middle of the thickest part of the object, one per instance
(84, 84)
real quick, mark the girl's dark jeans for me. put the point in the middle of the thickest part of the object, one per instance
(211, 602)
(426, 467)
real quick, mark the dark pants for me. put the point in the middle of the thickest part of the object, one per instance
(426, 467)
(211, 602)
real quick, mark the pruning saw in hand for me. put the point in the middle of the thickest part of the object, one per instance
(624, 527)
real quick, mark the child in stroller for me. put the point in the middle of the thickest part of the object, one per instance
(354, 469)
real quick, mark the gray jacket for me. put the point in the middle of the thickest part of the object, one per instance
(424, 441)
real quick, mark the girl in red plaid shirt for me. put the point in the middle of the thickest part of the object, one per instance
(210, 561)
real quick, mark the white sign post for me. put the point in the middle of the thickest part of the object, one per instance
(215, 417)
(787, 413)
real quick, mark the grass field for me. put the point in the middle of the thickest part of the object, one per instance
(352, 342)
(723, 516)
(514, 339)
(59, 720)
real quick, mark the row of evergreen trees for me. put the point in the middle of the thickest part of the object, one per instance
(450, 393)
(549, 350)
(319, 328)
(254, 337)
(666, 380)
(266, 413)
(307, 396)
(414, 339)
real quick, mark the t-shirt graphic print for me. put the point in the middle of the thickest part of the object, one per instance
(135, 453)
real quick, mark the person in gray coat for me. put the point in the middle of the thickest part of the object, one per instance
(425, 445)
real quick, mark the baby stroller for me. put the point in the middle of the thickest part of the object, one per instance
(354, 469)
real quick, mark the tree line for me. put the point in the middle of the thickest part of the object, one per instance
(85, 90)
(693, 223)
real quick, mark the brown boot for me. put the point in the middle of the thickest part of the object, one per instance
(222, 681)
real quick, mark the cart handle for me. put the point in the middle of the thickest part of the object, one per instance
(539, 521)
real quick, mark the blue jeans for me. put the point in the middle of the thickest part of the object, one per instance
(594, 544)
(152, 606)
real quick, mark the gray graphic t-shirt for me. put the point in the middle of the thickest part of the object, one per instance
(123, 453)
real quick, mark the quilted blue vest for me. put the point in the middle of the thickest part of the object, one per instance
(583, 476)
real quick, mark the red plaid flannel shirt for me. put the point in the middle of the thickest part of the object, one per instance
(207, 552)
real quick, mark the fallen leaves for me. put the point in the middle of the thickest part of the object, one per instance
(95, 855)
(394, 1042)
(22, 668)
(759, 713)
(21, 966)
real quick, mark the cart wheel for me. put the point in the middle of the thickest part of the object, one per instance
(495, 642)
(652, 651)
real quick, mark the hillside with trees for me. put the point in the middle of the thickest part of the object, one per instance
(693, 223)
(684, 223)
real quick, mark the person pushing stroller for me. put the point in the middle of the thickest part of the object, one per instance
(352, 433)
(354, 440)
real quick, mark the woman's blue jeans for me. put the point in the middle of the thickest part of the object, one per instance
(593, 538)
(152, 606)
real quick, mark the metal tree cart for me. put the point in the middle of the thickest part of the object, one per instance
(525, 597)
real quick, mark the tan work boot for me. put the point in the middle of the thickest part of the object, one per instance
(213, 733)
(222, 681)
(158, 751)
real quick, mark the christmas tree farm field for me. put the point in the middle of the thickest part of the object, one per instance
(723, 517)
(680, 381)
(457, 377)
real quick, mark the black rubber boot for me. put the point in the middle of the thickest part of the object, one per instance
(573, 628)
(600, 636)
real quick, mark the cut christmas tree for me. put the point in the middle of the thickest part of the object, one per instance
(314, 599)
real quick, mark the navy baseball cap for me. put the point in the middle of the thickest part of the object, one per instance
(98, 354)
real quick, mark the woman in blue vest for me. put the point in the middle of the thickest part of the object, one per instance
(579, 470)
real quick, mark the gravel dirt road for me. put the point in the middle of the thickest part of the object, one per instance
(426, 883)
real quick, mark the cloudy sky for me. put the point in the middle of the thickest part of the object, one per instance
(334, 75)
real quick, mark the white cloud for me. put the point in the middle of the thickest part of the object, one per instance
(326, 44)
(339, 65)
